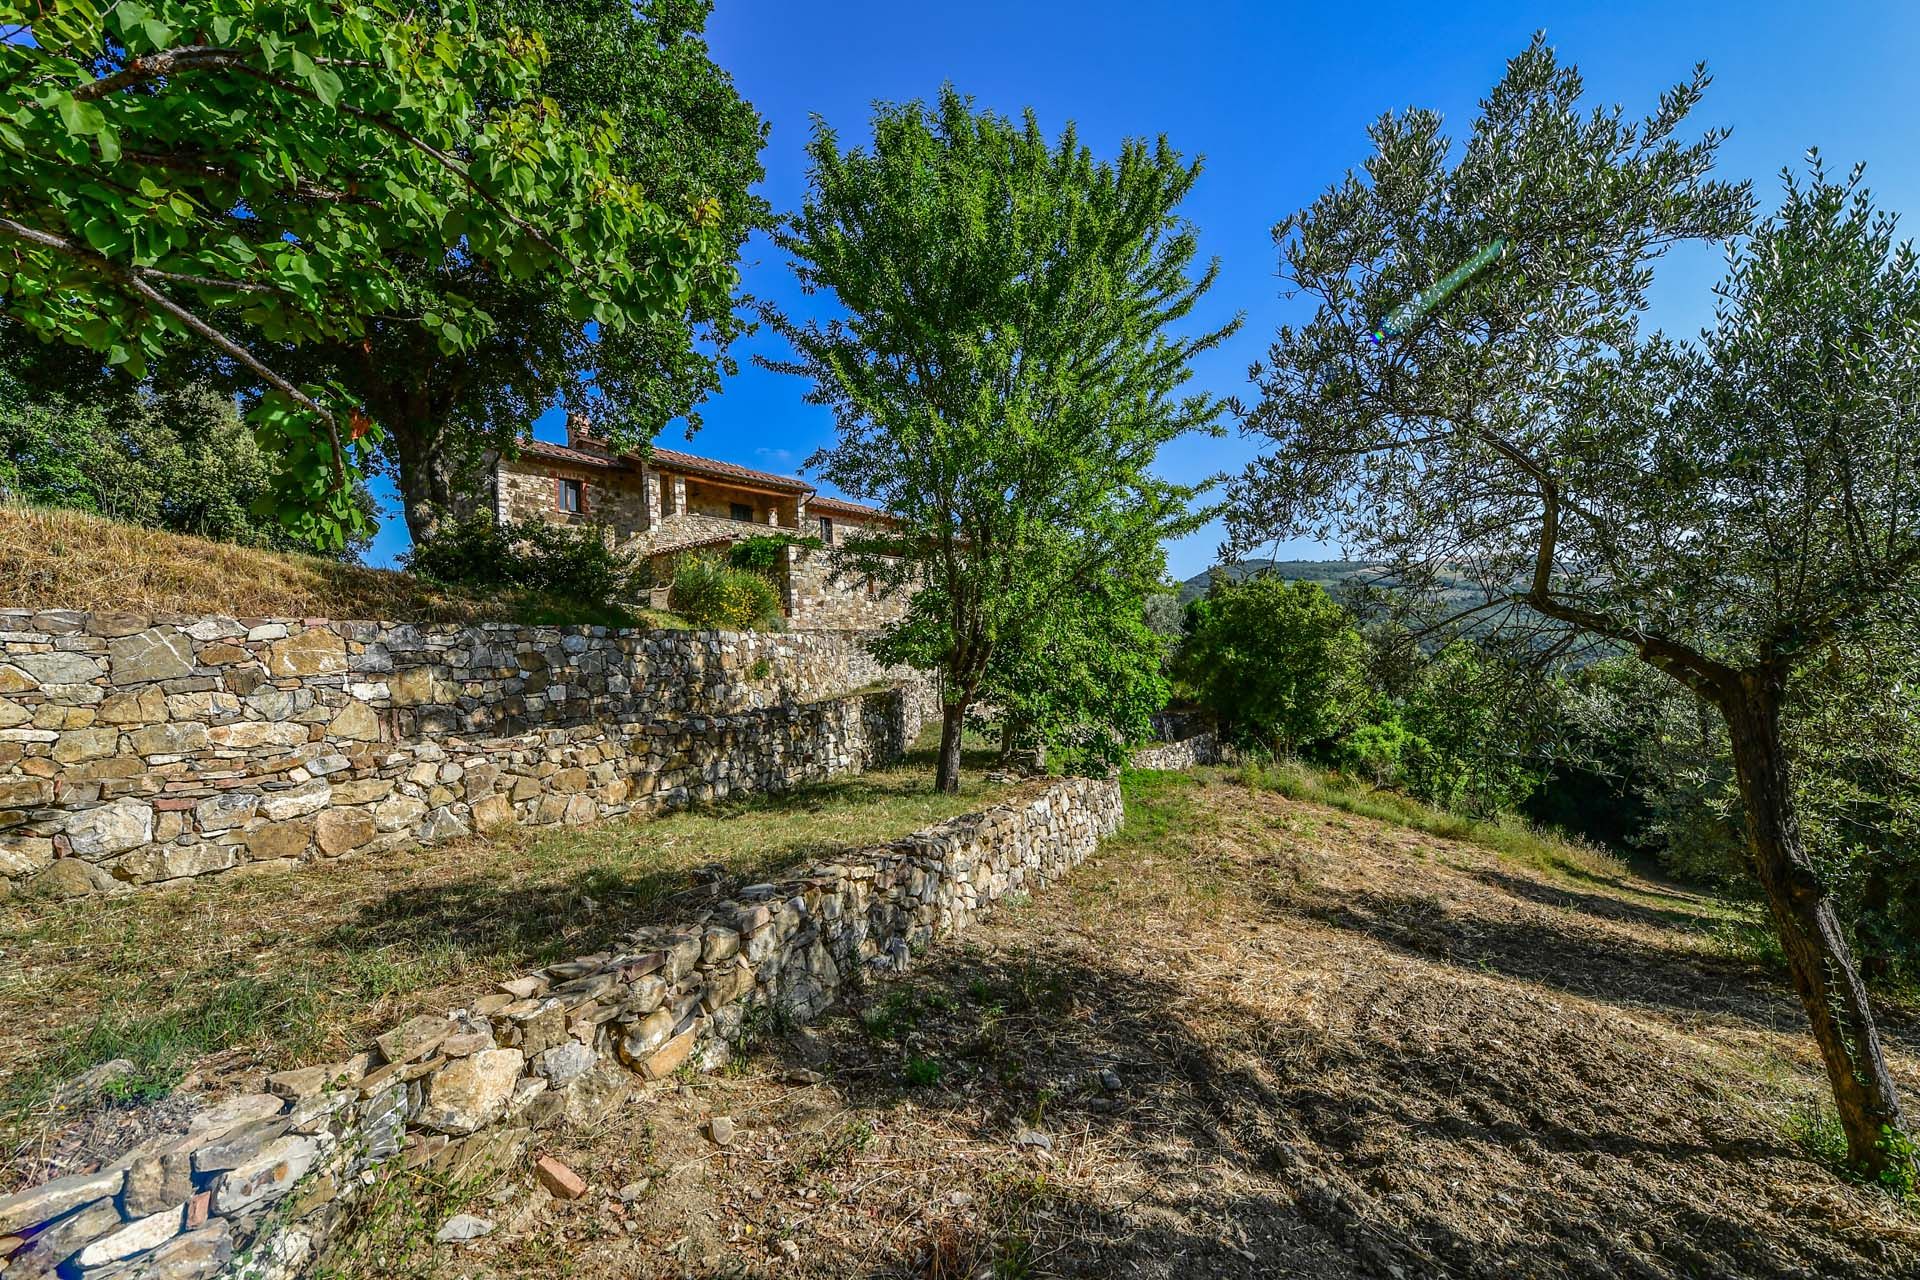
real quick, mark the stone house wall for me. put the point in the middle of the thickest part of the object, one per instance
(251, 1183)
(530, 495)
(847, 604)
(136, 751)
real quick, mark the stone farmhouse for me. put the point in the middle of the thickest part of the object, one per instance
(671, 504)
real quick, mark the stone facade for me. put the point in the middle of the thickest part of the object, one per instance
(672, 503)
(136, 751)
(852, 603)
(251, 1183)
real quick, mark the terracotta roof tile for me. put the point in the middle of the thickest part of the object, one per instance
(674, 460)
(840, 506)
(560, 453)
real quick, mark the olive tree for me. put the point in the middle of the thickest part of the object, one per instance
(1722, 509)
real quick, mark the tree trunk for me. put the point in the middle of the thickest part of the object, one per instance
(953, 719)
(440, 476)
(1816, 950)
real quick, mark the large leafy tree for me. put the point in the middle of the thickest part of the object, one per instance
(1085, 679)
(244, 173)
(1279, 662)
(683, 136)
(1724, 510)
(1009, 363)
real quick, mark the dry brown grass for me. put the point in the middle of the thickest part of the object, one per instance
(52, 559)
(1334, 1049)
(232, 976)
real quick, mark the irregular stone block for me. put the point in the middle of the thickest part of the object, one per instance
(414, 1038)
(296, 802)
(136, 1237)
(277, 840)
(25, 793)
(338, 831)
(643, 1038)
(268, 1176)
(154, 654)
(355, 722)
(197, 1255)
(314, 652)
(110, 828)
(56, 668)
(171, 861)
(48, 1201)
(60, 1240)
(672, 1056)
(144, 707)
(85, 744)
(565, 1063)
(174, 739)
(470, 1093)
(248, 735)
(226, 810)
(492, 811)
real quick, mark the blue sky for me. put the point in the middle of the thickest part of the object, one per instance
(1277, 98)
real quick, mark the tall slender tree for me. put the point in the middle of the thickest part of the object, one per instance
(1725, 510)
(1010, 363)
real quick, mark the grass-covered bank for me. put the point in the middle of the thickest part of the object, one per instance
(56, 559)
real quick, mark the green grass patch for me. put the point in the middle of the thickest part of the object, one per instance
(1510, 837)
(1814, 1126)
(305, 966)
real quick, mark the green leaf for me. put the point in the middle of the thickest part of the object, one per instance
(82, 119)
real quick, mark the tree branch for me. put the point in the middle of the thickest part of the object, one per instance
(135, 281)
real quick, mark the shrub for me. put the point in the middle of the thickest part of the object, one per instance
(709, 593)
(763, 553)
(1279, 662)
(576, 564)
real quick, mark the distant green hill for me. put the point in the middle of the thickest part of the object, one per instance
(1331, 574)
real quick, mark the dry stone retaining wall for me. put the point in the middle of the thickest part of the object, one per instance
(251, 1183)
(1201, 748)
(136, 751)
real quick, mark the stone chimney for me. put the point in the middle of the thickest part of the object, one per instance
(579, 427)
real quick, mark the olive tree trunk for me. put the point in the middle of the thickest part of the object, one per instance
(1816, 950)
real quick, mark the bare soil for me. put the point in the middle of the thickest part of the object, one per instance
(1252, 1037)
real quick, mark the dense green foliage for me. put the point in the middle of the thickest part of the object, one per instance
(1286, 669)
(710, 593)
(1083, 684)
(250, 174)
(1007, 368)
(764, 553)
(1854, 737)
(180, 460)
(573, 564)
(677, 130)
(1279, 662)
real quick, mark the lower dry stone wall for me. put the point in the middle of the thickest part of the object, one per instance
(1201, 748)
(136, 752)
(251, 1184)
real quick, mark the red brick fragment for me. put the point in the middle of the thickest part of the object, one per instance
(563, 1182)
